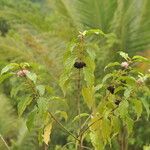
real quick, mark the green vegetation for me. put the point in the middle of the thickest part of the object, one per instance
(63, 84)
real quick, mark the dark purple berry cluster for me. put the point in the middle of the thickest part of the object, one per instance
(79, 65)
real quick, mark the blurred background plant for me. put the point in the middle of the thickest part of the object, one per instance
(37, 32)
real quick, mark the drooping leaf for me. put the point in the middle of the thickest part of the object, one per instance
(15, 90)
(122, 110)
(5, 76)
(88, 71)
(107, 76)
(137, 107)
(106, 130)
(127, 92)
(22, 105)
(42, 105)
(119, 88)
(88, 76)
(140, 59)
(112, 65)
(47, 133)
(90, 63)
(91, 53)
(129, 80)
(9, 67)
(49, 89)
(102, 106)
(31, 119)
(88, 95)
(98, 87)
(116, 125)
(129, 123)
(32, 76)
(63, 81)
(76, 118)
(41, 89)
(146, 106)
(63, 114)
(70, 62)
(96, 140)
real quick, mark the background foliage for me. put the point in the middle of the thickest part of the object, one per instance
(38, 31)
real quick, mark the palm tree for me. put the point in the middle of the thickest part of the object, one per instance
(129, 20)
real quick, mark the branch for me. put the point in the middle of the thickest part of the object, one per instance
(90, 126)
(83, 125)
(67, 145)
(78, 97)
(4, 142)
(63, 126)
(96, 121)
(34, 91)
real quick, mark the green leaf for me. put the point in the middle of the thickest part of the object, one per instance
(122, 110)
(146, 147)
(76, 118)
(119, 88)
(112, 65)
(91, 53)
(49, 89)
(127, 92)
(42, 105)
(93, 31)
(102, 106)
(137, 107)
(32, 76)
(63, 114)
(96, 140)
(24, 65)
(9, 67)
(15, 89)
(41, 89)
(129, 122)
(70, 48)
(22, 105)
(5, 76)
(57, 103)
(88, 71)
(40, 136)
(31, 119)
(88, 95)
(106, 130)
(98, 87)
(124, 55)
(88, 76)
(116, 125)
(90, 64)
(64, 80)
(107, 76)
(129, 80)
(140, 59)
(69, 63)
(146, 106)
